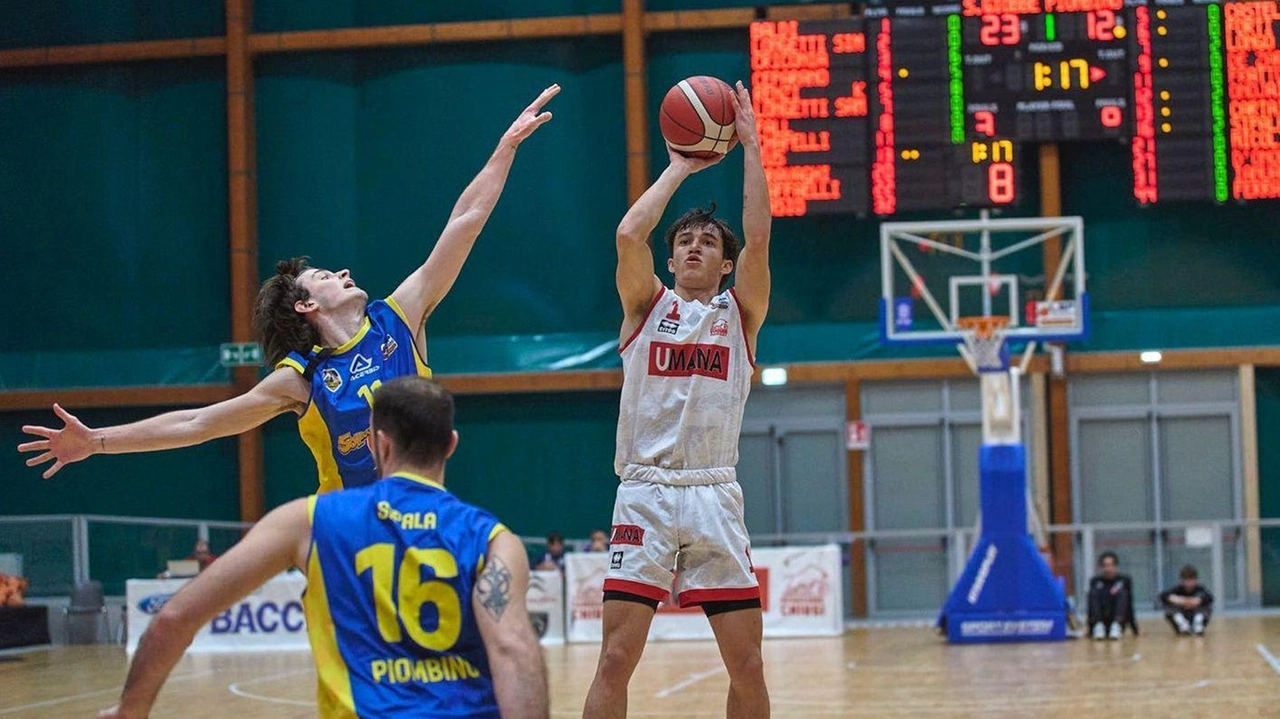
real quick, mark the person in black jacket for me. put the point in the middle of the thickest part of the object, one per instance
(1187, 605)
(1110, 600)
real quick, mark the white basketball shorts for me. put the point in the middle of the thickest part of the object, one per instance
(688, 540)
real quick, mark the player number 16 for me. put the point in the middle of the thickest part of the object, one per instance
(400, 603)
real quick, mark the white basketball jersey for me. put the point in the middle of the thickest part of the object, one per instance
(686, 375)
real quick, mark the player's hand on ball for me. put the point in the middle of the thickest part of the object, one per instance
(744, 116)
(532, 118)
(70, 444)
(691, 164)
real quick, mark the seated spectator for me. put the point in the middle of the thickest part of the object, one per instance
(1187, 605)
(202, 554)
(11, 590)
(599, 541)
(554, 558)
(1110, 600)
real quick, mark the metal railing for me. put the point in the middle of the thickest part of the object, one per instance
(60, 550)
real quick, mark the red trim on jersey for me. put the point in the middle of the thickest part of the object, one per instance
(695, 597)
(641, 590)
(640, 327)
(743, 321)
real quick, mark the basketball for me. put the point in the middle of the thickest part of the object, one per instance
(697, 117)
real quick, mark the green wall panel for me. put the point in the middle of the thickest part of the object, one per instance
(541, 462)
(1268, 397)
(36, 23)
(281, 15)
(362, 158)
(113, 181)
(1171, 255)
(193, 483)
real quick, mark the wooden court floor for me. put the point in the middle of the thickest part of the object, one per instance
(905, 672)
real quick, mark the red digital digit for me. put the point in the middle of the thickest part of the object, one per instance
(1001, 30)
(1011, 29)
(1101, 24)
(985, 122)
(1001, 184)
(1111, 116)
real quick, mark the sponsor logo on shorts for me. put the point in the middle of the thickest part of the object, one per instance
(616, 562)
(687, 360)
(627, 534)
(720, 328)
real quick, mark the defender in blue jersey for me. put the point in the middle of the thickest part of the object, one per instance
(329, 348)
(414, 601)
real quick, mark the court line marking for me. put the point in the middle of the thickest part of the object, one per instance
(235, 689)
(86, 695)
(1271, 658)
(687, 682)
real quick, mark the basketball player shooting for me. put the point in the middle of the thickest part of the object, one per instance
(329, 346)
(687, 366)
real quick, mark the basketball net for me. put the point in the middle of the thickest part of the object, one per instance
(984, 342)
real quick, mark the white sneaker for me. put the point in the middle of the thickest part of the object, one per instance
(1197, 624)
(1099, 631)
(1116, 631)
(1184, 627)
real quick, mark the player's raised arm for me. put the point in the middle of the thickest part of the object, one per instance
(281, 391)
(636, 281)
(421, 291)
(752, 281)
(515, 657)
(278, 542)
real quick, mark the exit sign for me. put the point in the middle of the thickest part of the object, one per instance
(240, 354)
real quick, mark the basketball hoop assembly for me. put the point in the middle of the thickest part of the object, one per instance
(996, 294)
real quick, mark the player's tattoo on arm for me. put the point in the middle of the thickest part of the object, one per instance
(494, 587)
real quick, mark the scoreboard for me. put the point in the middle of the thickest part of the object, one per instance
(1253, 91)
(930, 106)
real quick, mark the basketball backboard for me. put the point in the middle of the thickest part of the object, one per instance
(937, 274)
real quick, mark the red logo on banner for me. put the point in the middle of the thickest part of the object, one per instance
(805, 594)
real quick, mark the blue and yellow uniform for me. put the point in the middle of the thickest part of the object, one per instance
(335, 426)
(388, 601)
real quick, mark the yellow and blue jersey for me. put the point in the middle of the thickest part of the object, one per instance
(388, 601)
(335, 426)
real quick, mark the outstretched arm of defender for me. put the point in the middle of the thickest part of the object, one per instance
(752, 281)
(515, 657)
(636, 281)
(278, 542)
(419, 294)
(283, 390)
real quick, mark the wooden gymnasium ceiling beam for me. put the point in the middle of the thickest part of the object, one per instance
(97, 397)
(604, 380)
(113, 52)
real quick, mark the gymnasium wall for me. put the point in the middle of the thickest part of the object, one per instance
(1268, 383)
(113, 184)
